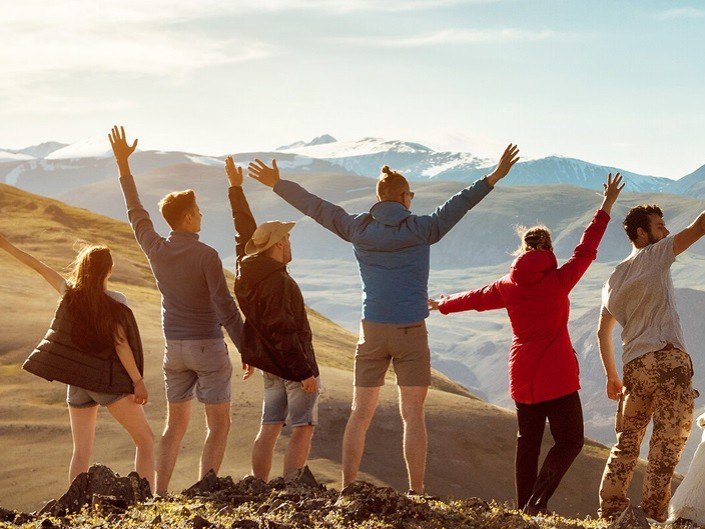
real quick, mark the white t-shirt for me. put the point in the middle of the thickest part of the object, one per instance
(639, 294)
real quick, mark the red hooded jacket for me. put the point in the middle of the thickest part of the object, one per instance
(542, 362)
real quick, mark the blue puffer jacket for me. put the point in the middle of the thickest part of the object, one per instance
(392, 246)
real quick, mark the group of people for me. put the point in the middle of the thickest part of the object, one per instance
(94, 347)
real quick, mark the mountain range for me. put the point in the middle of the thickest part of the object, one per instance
(34, 168)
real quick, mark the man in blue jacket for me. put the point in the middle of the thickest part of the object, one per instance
(392, 248)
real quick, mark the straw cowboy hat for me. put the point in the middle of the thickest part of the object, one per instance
(267, 235)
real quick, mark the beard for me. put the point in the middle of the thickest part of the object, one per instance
(652, 238)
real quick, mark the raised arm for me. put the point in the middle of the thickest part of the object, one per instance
(127, 359)
(51, 276)
(606, 346)
(223, 303)
(690, 235)
(485, 298)
(139, 219)
(434, 226)
(586, 250)
(243, 219)
(330, 216)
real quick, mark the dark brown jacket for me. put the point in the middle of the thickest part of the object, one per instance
(277, 336)
(58, 358)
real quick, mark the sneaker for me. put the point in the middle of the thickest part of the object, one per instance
(411, 493)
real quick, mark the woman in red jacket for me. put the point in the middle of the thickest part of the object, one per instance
(543, 367)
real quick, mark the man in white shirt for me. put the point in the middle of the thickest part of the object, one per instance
(657, 371)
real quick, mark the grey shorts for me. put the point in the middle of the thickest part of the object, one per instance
(197, 367)
(82, 398)
(287, 399)
(405, 345)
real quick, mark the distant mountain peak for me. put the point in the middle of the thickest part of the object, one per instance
(40, 150)
(318, 140)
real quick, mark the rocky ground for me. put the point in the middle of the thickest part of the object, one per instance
(101, 499)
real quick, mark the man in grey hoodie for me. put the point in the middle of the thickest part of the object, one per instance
(392, 248)
(196, 302)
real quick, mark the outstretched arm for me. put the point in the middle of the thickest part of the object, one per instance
(485, 298)
(52, 277)
(586, 251)
(606, 346)
(141, 224)
(690, 235)
(330, 216)
(242, 216)
(434, 226)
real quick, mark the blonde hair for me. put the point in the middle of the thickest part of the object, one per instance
(534, 238)
(391, 184)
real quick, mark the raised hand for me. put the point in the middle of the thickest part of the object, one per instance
(234, 172)
(506, 162)
(118, 142)
(264, 174)
(611, 191)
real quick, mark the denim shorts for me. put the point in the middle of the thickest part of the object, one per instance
(197, 367)
(287, 399)
(82, 398)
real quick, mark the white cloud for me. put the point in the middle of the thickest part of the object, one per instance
(452, 36)
(679, 12)
(43, 43)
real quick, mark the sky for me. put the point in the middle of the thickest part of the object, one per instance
(614, 83)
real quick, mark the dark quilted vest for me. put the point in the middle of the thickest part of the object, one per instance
(58, 358)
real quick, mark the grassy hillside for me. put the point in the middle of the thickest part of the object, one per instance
(471, 443)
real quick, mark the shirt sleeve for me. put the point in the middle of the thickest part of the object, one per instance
(243, 220)
(485, 298)
(142, 225)
(225, 307)
(433, 227)
(330, 216)
(585, 252)
(661, 252)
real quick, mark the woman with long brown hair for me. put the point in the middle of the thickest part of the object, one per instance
(93, 345)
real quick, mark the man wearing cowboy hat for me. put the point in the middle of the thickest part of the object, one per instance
(277, 337)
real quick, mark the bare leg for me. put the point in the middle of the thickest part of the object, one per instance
(218, 426)
(363, 409)
(411, 407)
(298, 448)
(178, 414)
(263, 450)
(131, 416)
(83, 433)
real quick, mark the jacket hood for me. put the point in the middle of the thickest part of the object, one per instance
(389, 212)
(257, 267)
(531, 267)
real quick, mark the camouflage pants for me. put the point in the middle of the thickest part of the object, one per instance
(656, 385)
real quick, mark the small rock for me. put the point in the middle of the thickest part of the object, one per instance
(6, 515)
(476, 505)
(199, 522)
(631, 518)
(244, 524)
(22, 518)
(156, 520)
(302, 476)
(46, 523)
(106, 504)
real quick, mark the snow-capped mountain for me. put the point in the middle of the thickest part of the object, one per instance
(692, 184)
(318, 140)
(28, 153)
(420, 163)
(95, 147)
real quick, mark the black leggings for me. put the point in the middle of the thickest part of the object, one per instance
(565, 418)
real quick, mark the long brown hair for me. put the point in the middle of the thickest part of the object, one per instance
(95, 314)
